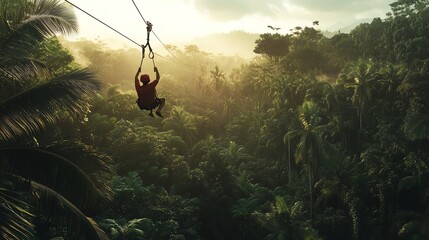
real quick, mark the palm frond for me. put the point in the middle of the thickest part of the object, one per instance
(13, 217)
(16, 73)
(53, 171)
(41, 18)
(29, 112)
(55, 17)
(57, 210)
(97, 165)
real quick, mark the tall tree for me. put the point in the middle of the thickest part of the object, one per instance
(273, 45)
(310, 149)
(363, 75)
(218, 78)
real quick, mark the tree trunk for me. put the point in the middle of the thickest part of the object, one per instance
(360, 120)
(310, 180)
(289, 162)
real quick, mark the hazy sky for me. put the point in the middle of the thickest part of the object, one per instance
(182, 20)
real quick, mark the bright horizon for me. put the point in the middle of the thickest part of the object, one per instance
(181, 21)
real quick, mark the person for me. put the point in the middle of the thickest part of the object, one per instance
(147, 99)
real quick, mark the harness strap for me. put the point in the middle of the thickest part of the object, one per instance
(141, 62)
(151, 54)
(153, 105)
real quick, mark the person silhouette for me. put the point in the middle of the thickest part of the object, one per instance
(147, 99)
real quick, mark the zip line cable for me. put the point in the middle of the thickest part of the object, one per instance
(141, 15)
(103, 23)
(140, 45)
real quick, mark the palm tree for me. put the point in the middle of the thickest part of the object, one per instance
(218, 78)
(332, 185)
(31, 99)
(284, 222)
(363, 75)
(219, 87)
(310, 149)
(182, 123)
(333, 94)
(416, 121)
(234, 154)
(392, 75)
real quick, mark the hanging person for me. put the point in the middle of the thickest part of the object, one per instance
(147, 99)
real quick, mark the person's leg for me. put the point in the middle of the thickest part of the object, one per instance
(151, 113)
(161, 105)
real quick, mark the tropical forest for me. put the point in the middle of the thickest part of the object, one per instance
(315, 137)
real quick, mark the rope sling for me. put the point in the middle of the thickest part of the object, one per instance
(151, 54)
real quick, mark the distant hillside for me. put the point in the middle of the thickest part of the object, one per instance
(345, 26)
(242, 43)
(229, 44)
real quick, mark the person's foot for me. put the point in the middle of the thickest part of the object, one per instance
(151, 114)
(159, 114)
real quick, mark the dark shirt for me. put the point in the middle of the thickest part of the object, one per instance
(146, 93)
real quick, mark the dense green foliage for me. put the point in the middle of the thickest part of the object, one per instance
(48, 186)
(316, 138)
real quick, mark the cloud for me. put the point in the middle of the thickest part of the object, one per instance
(227, 10)
(343, 6)
(328, 11)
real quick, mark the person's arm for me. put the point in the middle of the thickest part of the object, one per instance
(136, 78)
(155, 69)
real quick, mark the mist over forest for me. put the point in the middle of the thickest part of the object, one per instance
(308, 135)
